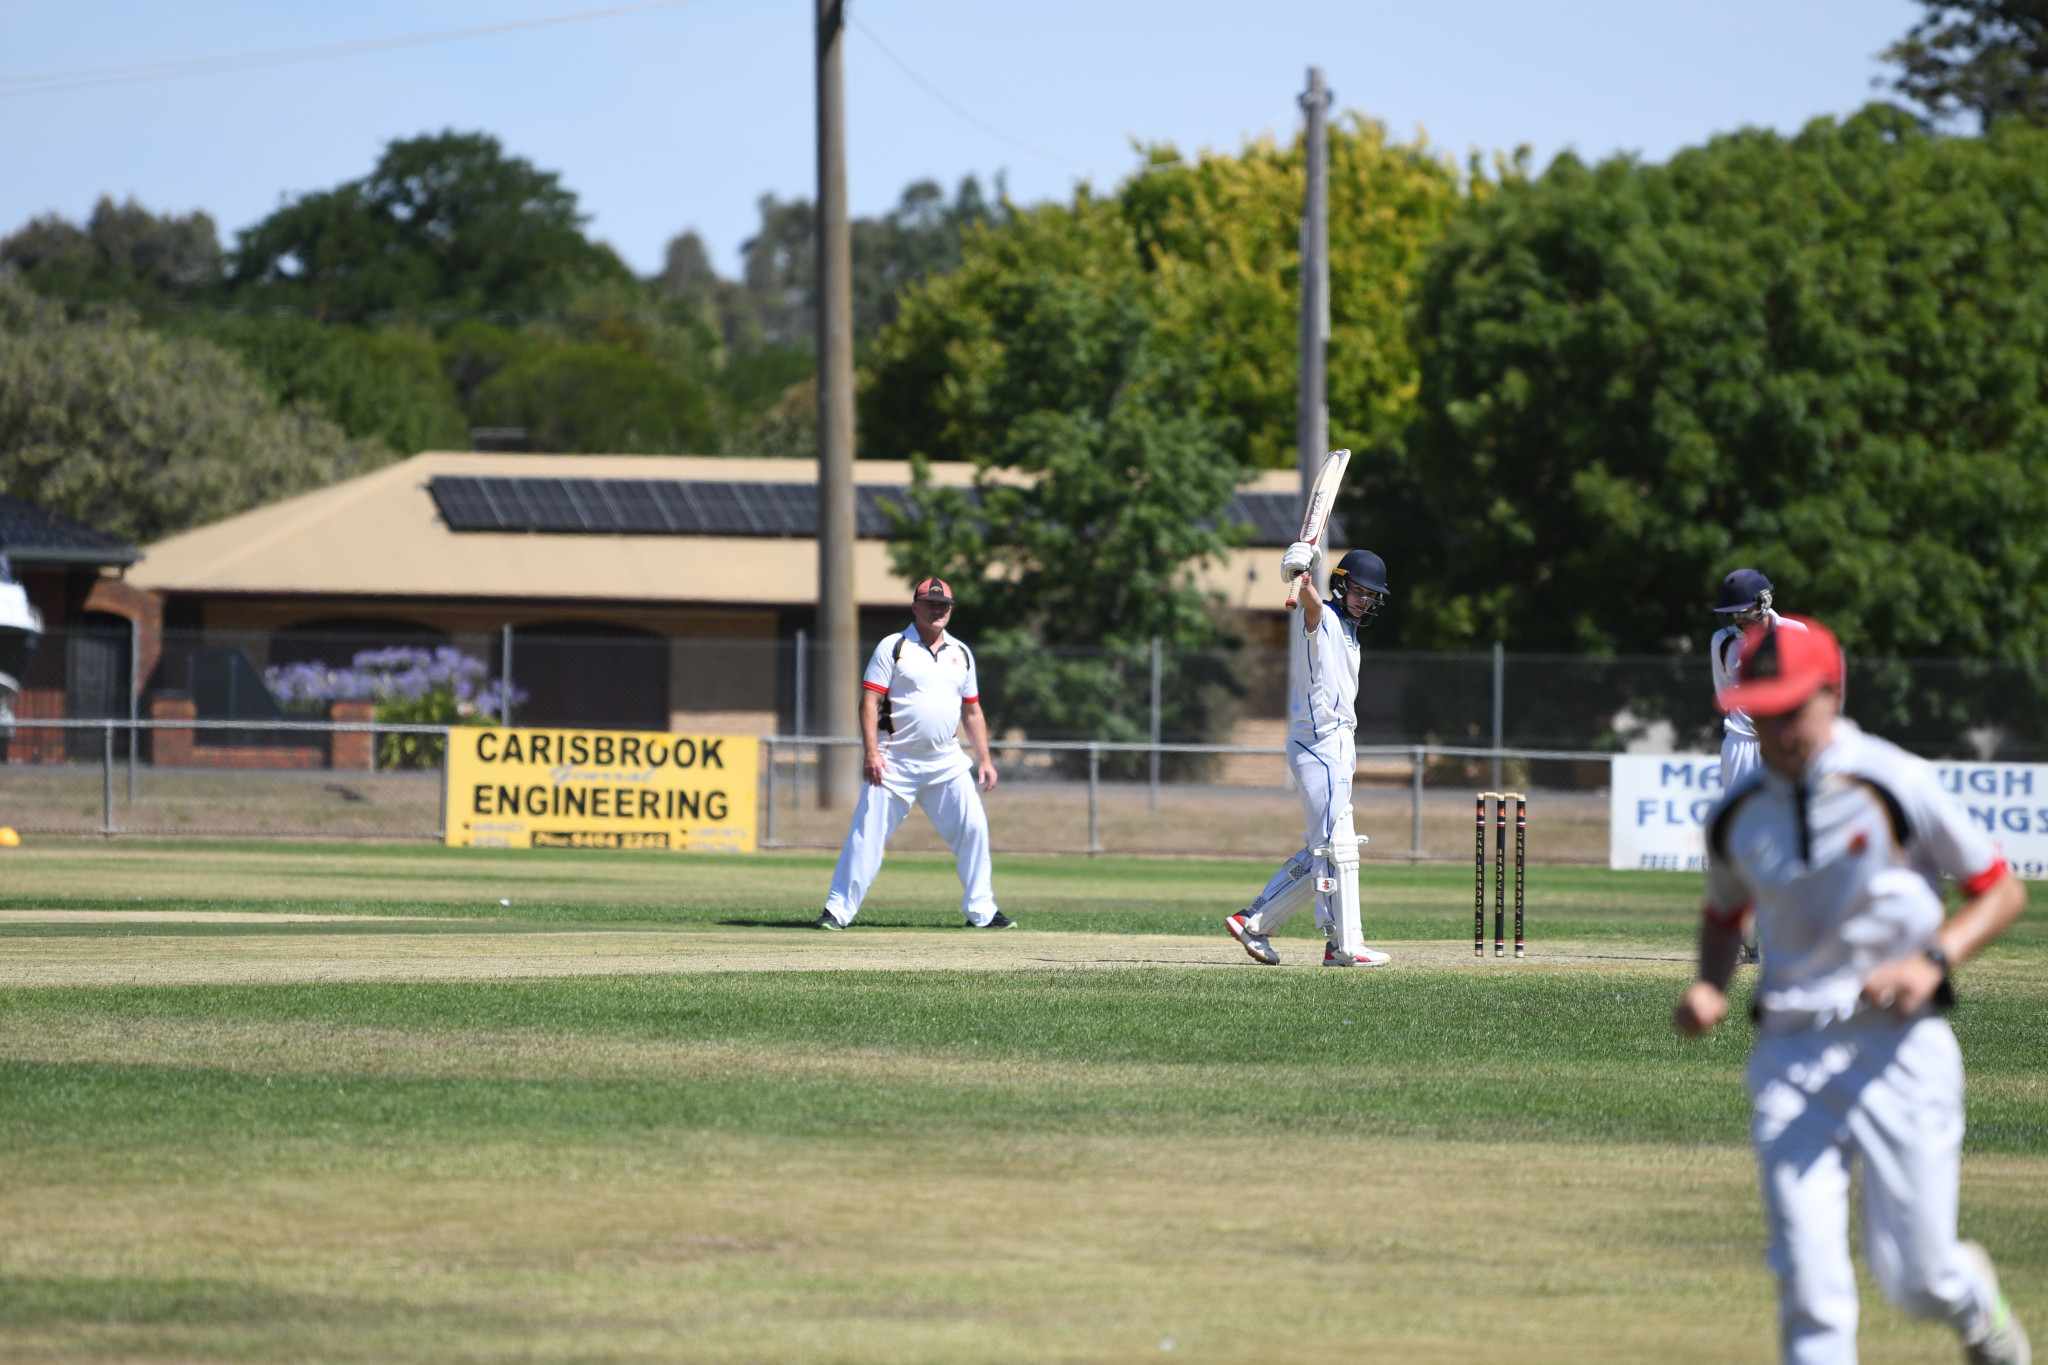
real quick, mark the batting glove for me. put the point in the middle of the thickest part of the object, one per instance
(1300, 555)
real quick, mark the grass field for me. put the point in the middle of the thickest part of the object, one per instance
(366, 1103)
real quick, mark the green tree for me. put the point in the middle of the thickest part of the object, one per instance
(386, 383)
(143, 434)
(1983, 57)
(1223, 233)
(1100, 482)
(123, 253)
(587, 398)
(765, 394)
(444, 222)
(1818, 355)
(920, 237)
(1218, 239)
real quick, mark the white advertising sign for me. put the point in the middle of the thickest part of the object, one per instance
(1658, 808)
(2008, 801)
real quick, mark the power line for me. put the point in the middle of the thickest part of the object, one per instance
(57, 82)
(853, 17)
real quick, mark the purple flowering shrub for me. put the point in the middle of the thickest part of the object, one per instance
(407, 685)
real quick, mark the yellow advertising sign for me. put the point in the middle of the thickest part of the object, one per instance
(601, 789)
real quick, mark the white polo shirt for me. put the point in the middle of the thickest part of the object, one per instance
(1844, 869)
(924, 690)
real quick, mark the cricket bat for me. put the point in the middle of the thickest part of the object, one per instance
(1316, 516)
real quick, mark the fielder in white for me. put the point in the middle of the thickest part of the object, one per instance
(1838, 846)
(1746, 600)
(1322, 747)
(920, 689)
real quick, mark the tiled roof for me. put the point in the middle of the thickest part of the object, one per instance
(31, 535)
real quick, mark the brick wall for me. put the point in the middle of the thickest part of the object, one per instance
(35, 744)
(175, 748)
(355, 750)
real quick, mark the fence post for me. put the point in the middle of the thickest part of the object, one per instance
(1094, 799)
(1500, 675)
(768, 831)
(1156, 657)
(505, 682)
(1415, 806)
(134, 698)
(803, 687)
(107, 782)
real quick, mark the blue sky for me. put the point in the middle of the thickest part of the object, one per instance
(683, 117)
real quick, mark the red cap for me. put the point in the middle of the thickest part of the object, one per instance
(932, 590)
(1783, 665)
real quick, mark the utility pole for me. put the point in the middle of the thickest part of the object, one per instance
(838, 622)
(1312, 419)
(1312, 422)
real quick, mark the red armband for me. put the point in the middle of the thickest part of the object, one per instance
(1724, 919)
(1985, 880)
(969, 701)
(872, 688)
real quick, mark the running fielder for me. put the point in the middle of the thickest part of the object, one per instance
(1838, 846)
(1745, 599)
(1321, 745)
(919, 689)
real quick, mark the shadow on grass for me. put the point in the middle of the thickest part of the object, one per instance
(866, 921)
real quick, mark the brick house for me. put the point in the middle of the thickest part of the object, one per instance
(650, 592)
(102, 634)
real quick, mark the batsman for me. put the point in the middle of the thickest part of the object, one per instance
(1322, 746)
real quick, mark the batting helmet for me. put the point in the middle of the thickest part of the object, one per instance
(1362, 569)
(1744, 590)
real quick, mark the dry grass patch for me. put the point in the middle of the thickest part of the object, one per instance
(710, 1247)
(225, 958)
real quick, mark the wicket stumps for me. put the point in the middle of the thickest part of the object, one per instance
(1500, 871)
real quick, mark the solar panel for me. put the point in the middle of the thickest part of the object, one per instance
(720, 510)
(709, 507)
(782, 509)
(549, 505)
(634, 503)
(462, 504)
(870, 522)
(1275, 518)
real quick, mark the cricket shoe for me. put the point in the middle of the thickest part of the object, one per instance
(1240, 929)
(825, 921)
(2006, 1341)
(998, 920)
(1365, 957)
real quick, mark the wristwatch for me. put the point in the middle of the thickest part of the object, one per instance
(1938, 958)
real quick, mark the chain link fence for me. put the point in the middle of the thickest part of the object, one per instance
(176, 778)
(330, 732)
(1413, 802)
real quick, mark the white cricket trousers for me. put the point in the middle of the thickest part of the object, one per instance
(1323, 772)
(1739, 757)
(946, 791)
(1891, 1094)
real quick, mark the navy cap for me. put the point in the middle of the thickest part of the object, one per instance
(1740, 590)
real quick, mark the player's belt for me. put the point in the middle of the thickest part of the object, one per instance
(1805, 1021)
